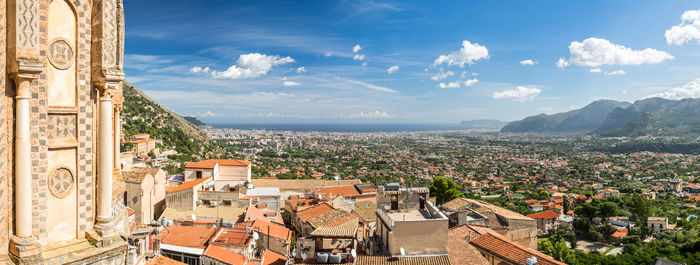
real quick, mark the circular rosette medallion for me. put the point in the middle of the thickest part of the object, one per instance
(61, 182)
(61, 54)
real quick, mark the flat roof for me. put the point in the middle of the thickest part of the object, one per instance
(264, 191)
(413, 215)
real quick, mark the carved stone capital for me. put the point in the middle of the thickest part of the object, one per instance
(109, 81)
(26, 71)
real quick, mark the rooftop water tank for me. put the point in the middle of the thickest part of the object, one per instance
(322, 257)
(334, 258)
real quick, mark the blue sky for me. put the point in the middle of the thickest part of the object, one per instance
(407, 61)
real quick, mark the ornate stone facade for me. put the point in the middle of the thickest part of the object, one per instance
(58, 78)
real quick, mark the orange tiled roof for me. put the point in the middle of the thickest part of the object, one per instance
(272, 258)
(313, 212)
(162, 260)
(264, 227)
(210, 163)
(231, 237)
(345, 191)
(620, 233)
(188, 185)
(186, 236)
(544, 215)
(225, 256)
(510, 251)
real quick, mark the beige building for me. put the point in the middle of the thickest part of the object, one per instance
(657, 224)
(408, 223)
(142, 143)
(225, 172)
(145, 193)
(514, 226)
(61, 76)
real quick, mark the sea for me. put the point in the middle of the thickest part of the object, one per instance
(343, 127)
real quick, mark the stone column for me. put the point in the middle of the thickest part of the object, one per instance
(105, 162)
(23, 159)
(24, 247)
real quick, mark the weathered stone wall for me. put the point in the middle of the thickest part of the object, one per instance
(5, 202)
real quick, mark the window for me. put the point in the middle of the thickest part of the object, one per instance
(394, 202)
(227, 202)
(199, 174)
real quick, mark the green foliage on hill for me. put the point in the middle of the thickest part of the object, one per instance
(142, 114)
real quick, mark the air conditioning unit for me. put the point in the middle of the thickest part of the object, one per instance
(531, 260)
(212, 203)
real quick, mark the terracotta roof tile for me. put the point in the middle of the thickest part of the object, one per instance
(313, 212)
(225, 256)
(345, 191)
(263, 227)
(544, 215)
(231, 237)
(272, 258)
(162, 260)
(188, 185)
(510, 251)
(186, 236)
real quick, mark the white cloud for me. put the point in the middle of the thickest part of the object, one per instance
(471, 82)
(290, 83)
(364, 64)
(198, 69)
(393, 69)
(208, 114)
(689, 90)
(521, 93)
(442, 75)
(455, 84)
(594, 52)
(595, 70)
(301, 70)
(357, 48)
(616, 72)
(358, 57)
(373, 87)
(468, 54)
(369, 115)
(561, 63)
(687, 31)
(328, 54)
(527, 62)
(252, 65)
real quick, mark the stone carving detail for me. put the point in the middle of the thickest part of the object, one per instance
(110, 29)
(61, 54)
(62, 127)
(27, 23)
(61, 182)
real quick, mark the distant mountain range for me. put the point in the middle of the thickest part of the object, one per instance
(651, 116)
(483, 124)
(194, 121)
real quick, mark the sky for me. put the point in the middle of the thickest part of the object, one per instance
(365, 61)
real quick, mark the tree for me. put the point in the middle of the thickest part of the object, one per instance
(566, 204)
(607, 209)
(444, 190)
(641, 209)
(555, 246)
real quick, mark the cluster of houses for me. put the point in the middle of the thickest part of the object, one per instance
(216, 214)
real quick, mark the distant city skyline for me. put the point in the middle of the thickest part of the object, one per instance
(407, 61)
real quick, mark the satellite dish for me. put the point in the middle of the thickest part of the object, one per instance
(354, 253)
(303, 255)
(256, 236)
(403, 252)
